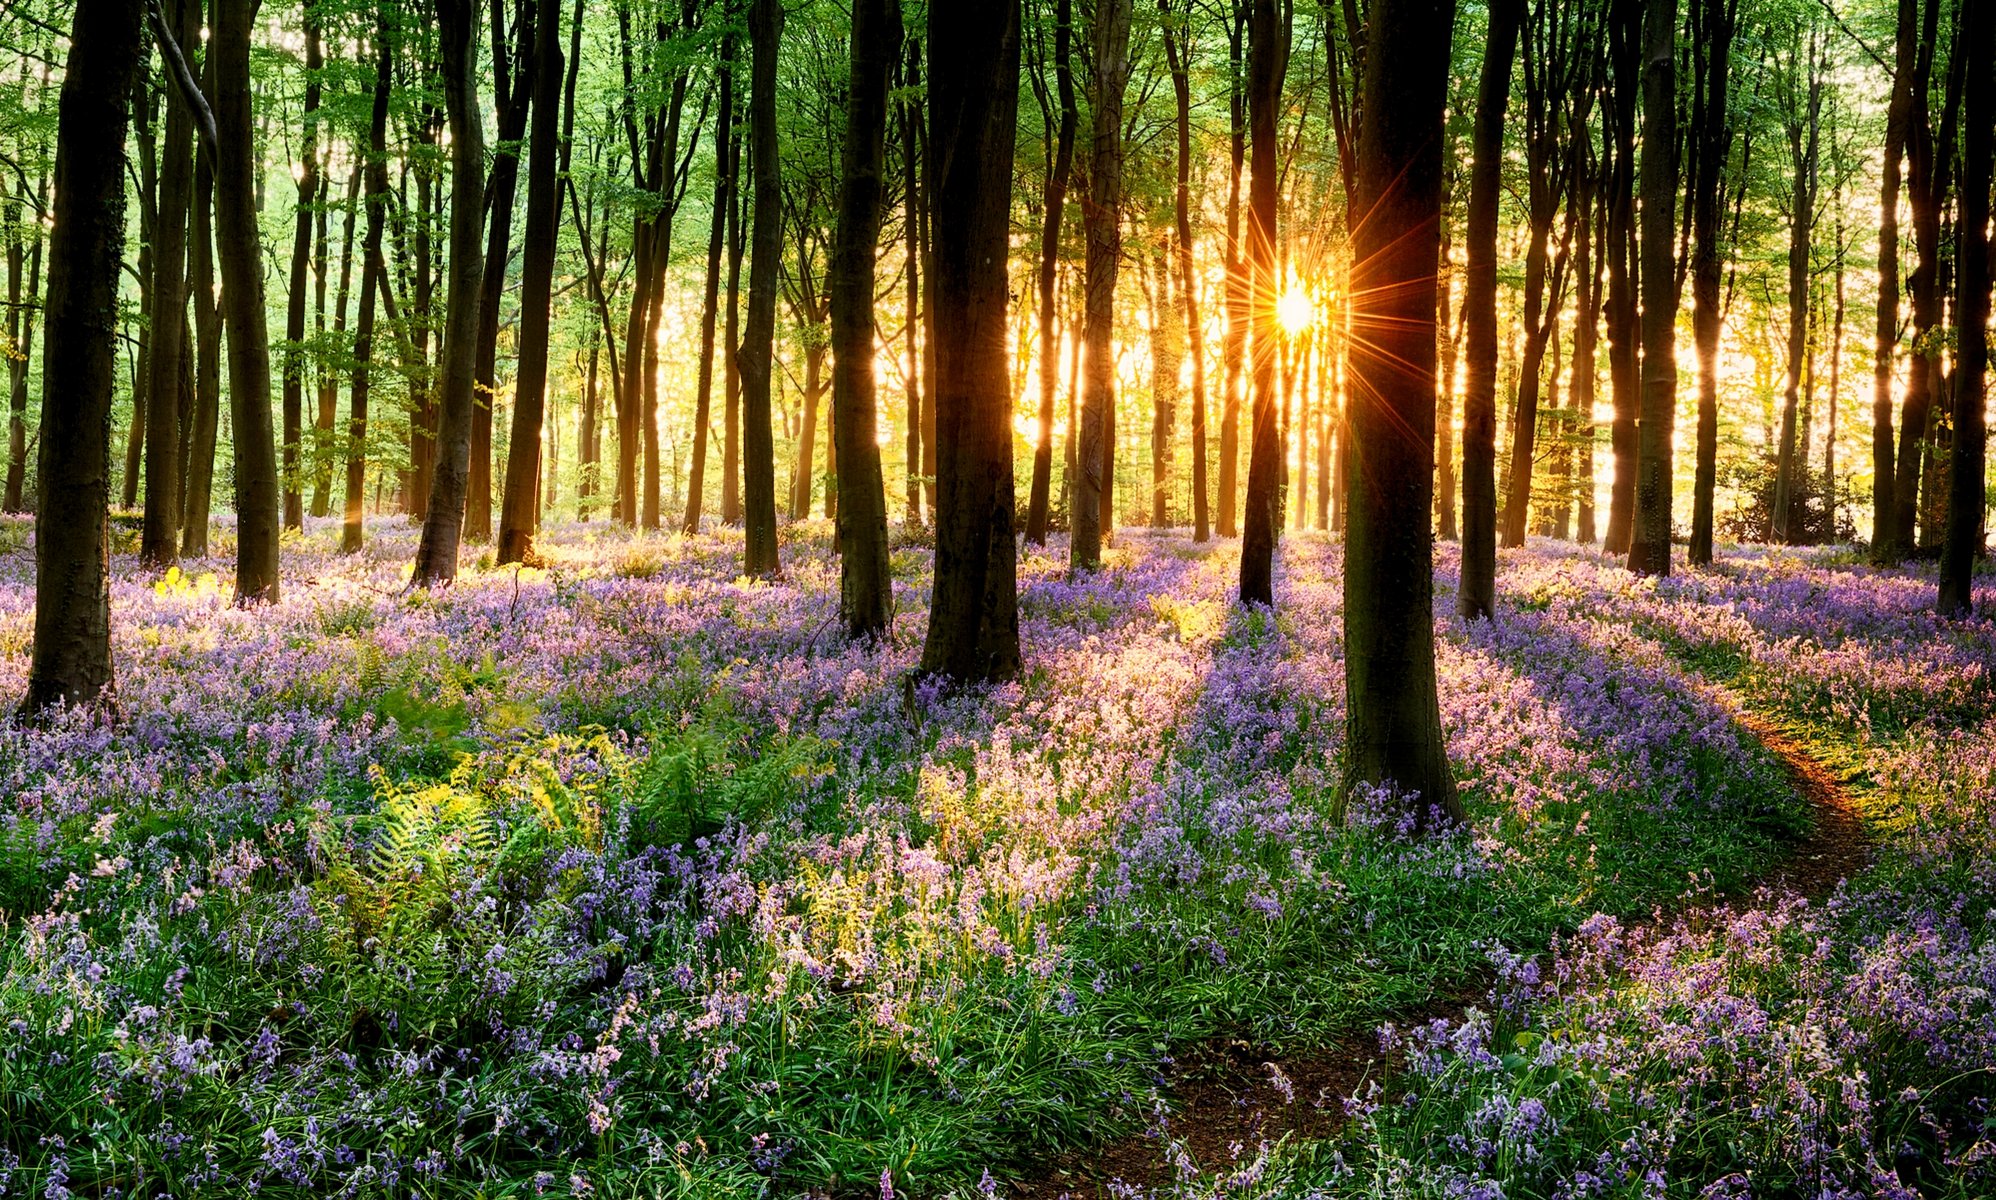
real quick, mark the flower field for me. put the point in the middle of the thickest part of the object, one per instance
(631, 877)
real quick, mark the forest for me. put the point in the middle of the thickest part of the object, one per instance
(1053, 599)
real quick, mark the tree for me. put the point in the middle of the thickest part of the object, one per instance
(1094, 516)
(973, 55)
(1898, 118)
(1393, 711)
(1714, 24)
(1178, 50)
(239, 249)
(724, 201)
(515, 92)
(758, 346)
(1802, 115)
(159, 540)
(1967, 468)
(866, 594)
(1649, 544)
(520, 505)
(301, 259)
(1475, 594)
(1268, 61)
(443, 523)
(371, 271)
(71, 660)
(1053, 202)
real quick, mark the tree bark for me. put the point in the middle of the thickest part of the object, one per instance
(1967, 468)
(1476, 591)
(238, 247)
(514, 71)
(520, 508)
(1393, 711)
(973, 53)
(1234, 344)
(1178, 56)
(1618, 249)
(1268, 60)
(71, 660)
(1898, 116)
(1929, 158)
(1711, 138)
(159, 538)
(203, 428)
(1649, 545)
(1803, 129)
(371, 266)
(724, 184)
(443, 524)
(21, 308)
(1094, 516)
(1053, 205)
(759, 338)
(301, 259)
(866, 594)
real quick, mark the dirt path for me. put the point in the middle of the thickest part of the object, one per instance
(1227, 1098)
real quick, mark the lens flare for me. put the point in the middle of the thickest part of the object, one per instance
(1295, 311)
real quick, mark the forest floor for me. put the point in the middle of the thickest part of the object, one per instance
(627, 876)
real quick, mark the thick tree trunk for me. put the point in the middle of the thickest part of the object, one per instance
(866, 594)
(1053, 203)
(1967, 468)
(1476, 592)
(1649, 544)
(71, 662)
(519, 509)
(1929, 158)
(724, 184)
(759, 338)
(514, 71)
(239, 250)
(1393, 712)
(1711, 140)
(443, 524)
(1268, 60)
(159, 539)
(973, 112)
(1094, 516)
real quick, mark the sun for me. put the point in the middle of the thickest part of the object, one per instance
(1295, 311)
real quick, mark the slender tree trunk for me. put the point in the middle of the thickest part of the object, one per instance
(1929, 157)
(238, 248)
(203, 429)
(1166, 354)
(1393, 712)
(294, 308)
(973, 53)
(21, 309)
(1649, 545)
(1618, 248)
(159, 540)
(1884, 504)
(71, 662)
(1586, 332)
(911, 182)
(1967, 468)
(1268, 60)
(148, 197)
(1711, 139)
(1094, 516)
(1445, 480)
(724, 183)
(371, 267)
(1053, 204)
(1234, 345)
(1803, 128)
(1178, 55)
(519, 510)
(443, 524)
(759, 341)
(1475, 595)
(731, 376)
(866, 594)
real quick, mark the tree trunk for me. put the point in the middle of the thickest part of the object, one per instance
(1711, 139)
(519, 509)
(71, 663)
(1898, 117)
(1929, 158)
(1178, 53)
(1445, 479)
(443, 524)
(1476, 592)
(1053, 204)
(239, 250)
(1166, 353)
(21, 309)
(371, 266)
(866, 594)
(1268, 60)
(514, 72)
(1393, 713)
(203, 428)
(1586, 332)
(1618, 248)
(973, 112)
(159, 539)
(1234, 344)
(329, 396)
(1967, 469)
(1649, 544)
(731, 375)
(301, 258)
(148, 197)
(724, 183)
(1803, 128)
(759, 339)
(911, 221)
(1094, 515)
